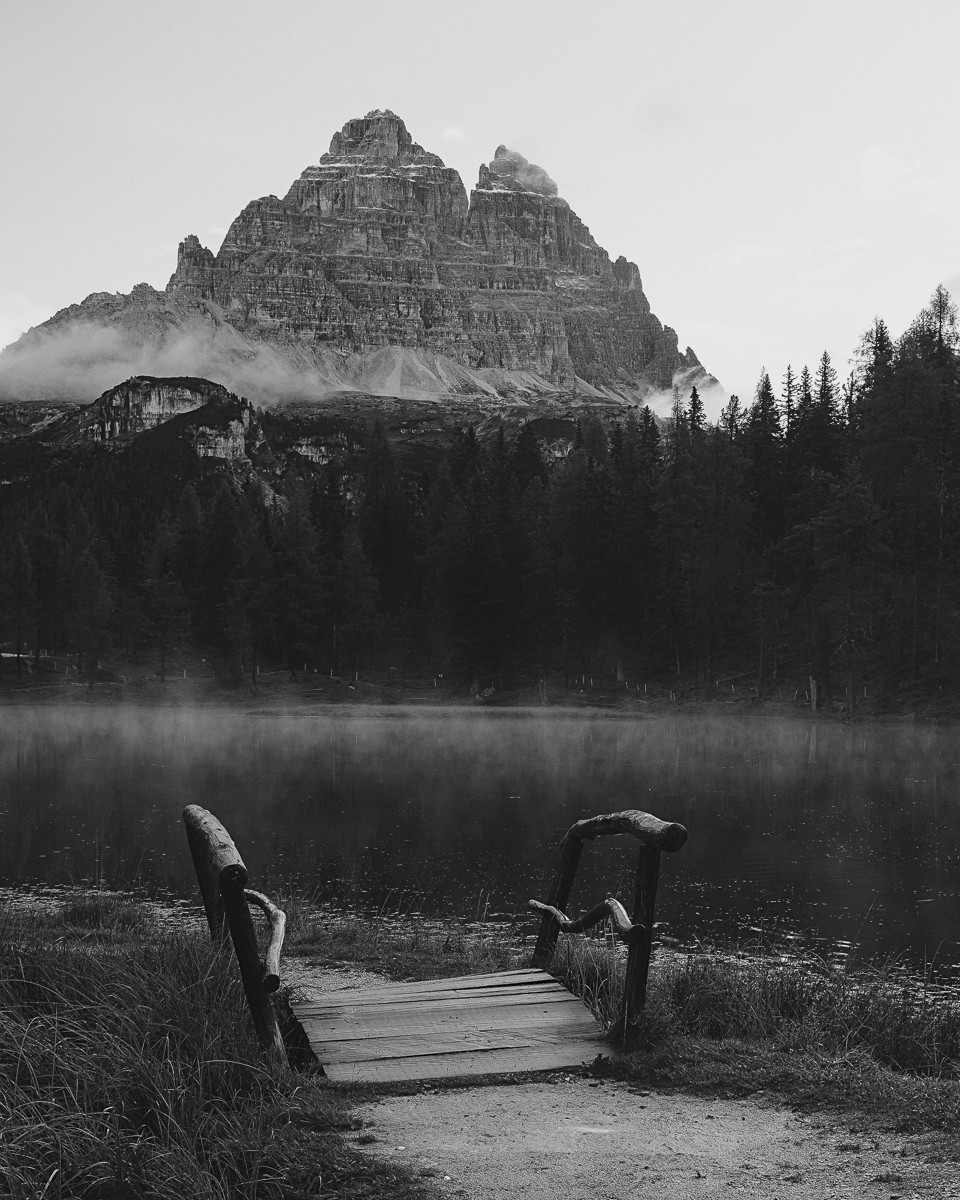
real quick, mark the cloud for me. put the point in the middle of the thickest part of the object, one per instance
(714, 397)
(453, 133)
(81, 360)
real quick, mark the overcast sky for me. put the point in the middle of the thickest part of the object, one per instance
(781, 173)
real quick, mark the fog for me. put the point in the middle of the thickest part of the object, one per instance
(81, 360)
(714, 397)
(805, 831)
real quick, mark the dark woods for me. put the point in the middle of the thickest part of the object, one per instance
(811, 538)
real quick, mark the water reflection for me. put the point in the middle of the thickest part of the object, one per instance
(840, 833)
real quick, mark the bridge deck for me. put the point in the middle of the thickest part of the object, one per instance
(445, 1028)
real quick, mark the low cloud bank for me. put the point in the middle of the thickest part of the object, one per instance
(80, 361)
(714, 398)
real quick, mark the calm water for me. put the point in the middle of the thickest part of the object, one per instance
(833, 834)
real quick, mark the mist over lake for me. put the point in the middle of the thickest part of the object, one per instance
(833, 833)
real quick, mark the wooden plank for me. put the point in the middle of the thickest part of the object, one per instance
(353, 1003)
(503, 1022)
(403, 992)
(565, 1017)
(360, 1012)
(518, 976)
(514, 976)
(565, 1056)
(468, 983)
(452, 1043)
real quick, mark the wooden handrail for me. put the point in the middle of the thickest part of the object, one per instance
(654, 836)
(222, 878)
(277, 919)
(217, 863)
(610, 909)
(646, 828)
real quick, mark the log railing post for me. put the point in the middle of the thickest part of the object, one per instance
(222, 878)
(640, 943)
(208, 866)
(560, 888)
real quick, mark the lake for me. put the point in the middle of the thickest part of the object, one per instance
(798, 830)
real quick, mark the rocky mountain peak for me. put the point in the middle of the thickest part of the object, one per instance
(381, 134)
(375, 271)
(510, 171)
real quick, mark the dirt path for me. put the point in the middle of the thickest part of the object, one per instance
(569, 1137)
(572, 1137)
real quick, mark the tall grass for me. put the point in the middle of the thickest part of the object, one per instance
(402, 944)
(130, 1070)
(802, 1004)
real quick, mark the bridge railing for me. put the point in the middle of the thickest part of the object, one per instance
(222, 878)
(654, 836)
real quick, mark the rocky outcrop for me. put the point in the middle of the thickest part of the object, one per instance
(377, 246)
(204, 416)
(144, 403)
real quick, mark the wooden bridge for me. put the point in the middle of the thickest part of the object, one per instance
(499, 1023)
(472, 1025)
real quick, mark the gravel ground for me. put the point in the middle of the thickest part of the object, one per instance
(571, 1137)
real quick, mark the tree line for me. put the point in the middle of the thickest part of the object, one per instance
(812, 534)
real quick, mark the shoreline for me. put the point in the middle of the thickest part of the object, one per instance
(275, 698)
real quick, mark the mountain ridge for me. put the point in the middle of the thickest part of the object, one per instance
(378, 245)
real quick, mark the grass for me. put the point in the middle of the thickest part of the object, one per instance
(129, 1070)
(872, 1038)
(128, 1066)
(402, 946)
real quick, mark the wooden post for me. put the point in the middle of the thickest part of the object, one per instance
(222, 877)
(570, 850)
(216, 862)
(640, 941)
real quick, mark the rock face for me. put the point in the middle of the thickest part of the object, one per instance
(221, 426)
(377, 246)
(143, 403)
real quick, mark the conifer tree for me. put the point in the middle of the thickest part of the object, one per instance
(167, 613)
(762, 445)
(789, 399)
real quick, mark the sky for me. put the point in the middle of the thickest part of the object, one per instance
(782, 173)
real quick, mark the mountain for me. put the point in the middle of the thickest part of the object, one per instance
(376, 274)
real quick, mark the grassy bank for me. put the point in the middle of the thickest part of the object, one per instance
(128, 1066)
(128, 1069)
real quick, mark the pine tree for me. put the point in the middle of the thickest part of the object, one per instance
(695, 415)
(167, 612)
(528, 463)
(789, 400)
(17, 598)
(762, 444)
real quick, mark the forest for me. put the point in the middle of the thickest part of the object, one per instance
(809, 538)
